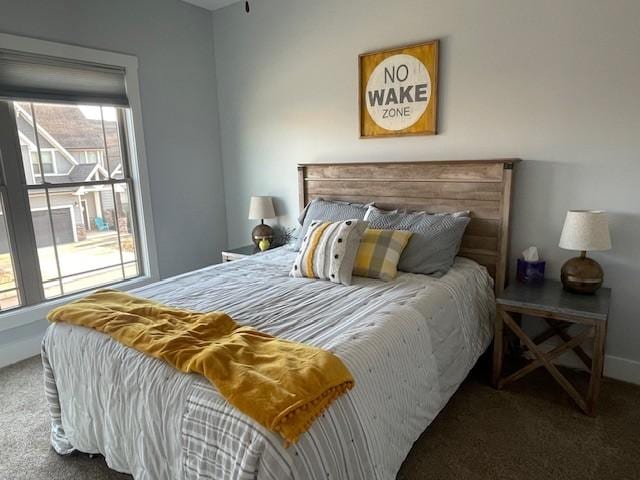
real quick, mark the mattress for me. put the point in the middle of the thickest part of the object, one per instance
(409, 343)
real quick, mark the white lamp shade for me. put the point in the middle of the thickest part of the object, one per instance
(585, 230)
(261, 207)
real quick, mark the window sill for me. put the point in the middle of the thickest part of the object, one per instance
(23, 316)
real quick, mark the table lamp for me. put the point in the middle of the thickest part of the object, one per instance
(259, 209)
(584, 230)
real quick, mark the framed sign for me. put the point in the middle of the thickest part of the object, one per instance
(399, 91)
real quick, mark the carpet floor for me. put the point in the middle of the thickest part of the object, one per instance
(531, 430)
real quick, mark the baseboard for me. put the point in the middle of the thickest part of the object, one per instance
(19, 350)
(622, 369)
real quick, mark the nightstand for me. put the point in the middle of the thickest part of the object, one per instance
(238, 253)
(559, 310)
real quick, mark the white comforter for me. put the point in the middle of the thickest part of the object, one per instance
(409, 344)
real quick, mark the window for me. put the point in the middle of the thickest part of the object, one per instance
(88, 156)
(93, 156)
(83, 223)
(87, 224)
(48, 163)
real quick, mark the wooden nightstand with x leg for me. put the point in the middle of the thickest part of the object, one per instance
(559, 310)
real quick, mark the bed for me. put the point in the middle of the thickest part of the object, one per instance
(409, 343)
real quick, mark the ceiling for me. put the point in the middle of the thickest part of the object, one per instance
(211, 4)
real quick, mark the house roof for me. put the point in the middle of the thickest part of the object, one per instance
(85, 134)
(79, 173)
(73, 131)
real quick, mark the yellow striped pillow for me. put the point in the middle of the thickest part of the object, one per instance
(379, 253)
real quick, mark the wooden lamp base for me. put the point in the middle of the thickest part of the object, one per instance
(581, 275)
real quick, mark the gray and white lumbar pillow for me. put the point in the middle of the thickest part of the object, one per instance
(328, 250)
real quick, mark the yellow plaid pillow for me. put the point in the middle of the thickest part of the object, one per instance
(379, 253)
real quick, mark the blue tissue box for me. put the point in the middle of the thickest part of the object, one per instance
(531, 273)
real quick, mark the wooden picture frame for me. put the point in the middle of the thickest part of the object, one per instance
(398, 91)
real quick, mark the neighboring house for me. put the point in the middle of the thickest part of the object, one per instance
(72, 146)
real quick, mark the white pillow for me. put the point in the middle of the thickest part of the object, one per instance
(329, 250)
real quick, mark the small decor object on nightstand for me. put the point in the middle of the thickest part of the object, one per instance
(584, 230)
(282, 235)
(530, 267)
(259, 209)
(264, 244)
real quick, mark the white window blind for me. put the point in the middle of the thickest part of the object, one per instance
(32, 77)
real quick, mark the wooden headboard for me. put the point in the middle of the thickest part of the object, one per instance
(481, 186)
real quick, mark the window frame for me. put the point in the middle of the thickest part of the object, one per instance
(135, 145)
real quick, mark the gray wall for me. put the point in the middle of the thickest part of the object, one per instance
(174, 45)
(553, 82)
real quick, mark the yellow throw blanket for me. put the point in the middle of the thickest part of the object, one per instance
(282, 385)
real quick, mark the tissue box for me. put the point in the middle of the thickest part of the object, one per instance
(531, 273)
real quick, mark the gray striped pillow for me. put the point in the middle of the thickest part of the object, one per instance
(435, 241)
(327, 211)
(328, 251)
